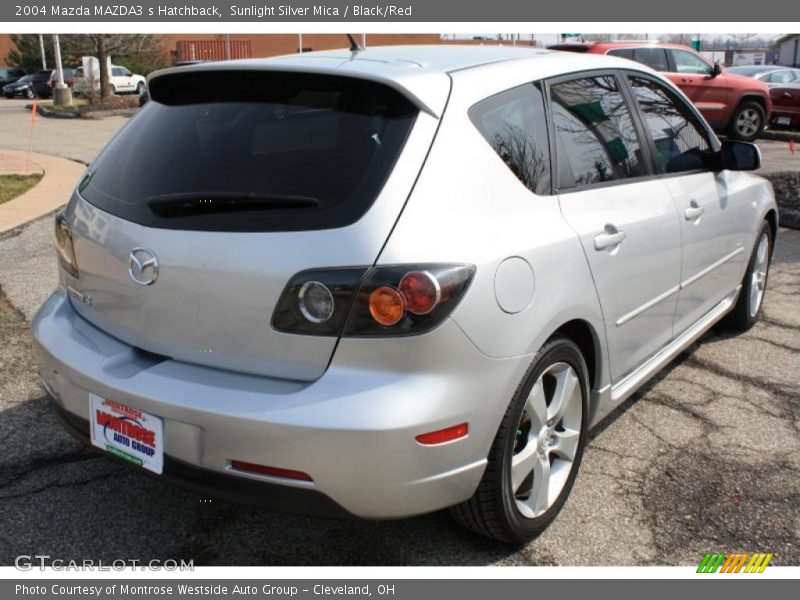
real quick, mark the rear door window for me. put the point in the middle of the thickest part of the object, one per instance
(253, 151)
(655, 58)
(595, 135)
(513, 123)
(621, 52)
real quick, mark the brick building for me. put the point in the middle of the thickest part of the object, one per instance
(216, 47)
(5, 47)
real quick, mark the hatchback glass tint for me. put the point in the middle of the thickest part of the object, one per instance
(513, 123)
(681, 143)
(253, 151)
(595, 134)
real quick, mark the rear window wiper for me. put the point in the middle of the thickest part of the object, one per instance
(188, 204)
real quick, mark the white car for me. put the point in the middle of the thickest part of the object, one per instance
(122, 81)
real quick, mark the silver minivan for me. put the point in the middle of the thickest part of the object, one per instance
(386, 282)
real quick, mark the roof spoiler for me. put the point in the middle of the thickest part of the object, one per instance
(428, 91)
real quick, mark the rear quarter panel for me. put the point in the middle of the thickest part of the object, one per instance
(468, 207)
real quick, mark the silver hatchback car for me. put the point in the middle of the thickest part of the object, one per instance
(385, 282)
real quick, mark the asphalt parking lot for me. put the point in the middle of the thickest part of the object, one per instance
(705, 458)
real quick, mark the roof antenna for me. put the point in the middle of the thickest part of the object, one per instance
(354, 45)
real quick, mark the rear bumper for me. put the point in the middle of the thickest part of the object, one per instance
(225, 487)
(793, 119)
(352, 430)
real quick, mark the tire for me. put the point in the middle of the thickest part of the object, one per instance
(751, 298)
(508, 511)
(29, 94)
(748, 121)
(139, 88)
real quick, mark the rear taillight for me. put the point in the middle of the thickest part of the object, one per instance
(382, 301)
(316, 302)
(64, 247)
(407, 300)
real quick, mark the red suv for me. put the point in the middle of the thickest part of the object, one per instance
(737, 106)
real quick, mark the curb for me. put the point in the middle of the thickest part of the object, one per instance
(79, 114)
(52, 192)
(780, 135)
(787, 194)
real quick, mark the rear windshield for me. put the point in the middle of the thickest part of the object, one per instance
(252, 151)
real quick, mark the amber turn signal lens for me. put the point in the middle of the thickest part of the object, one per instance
(386, 305)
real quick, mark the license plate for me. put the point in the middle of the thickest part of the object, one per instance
(127, 433)
(783, 120)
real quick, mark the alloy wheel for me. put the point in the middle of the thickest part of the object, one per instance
(748, 122)
(547, 439)
(758, 279)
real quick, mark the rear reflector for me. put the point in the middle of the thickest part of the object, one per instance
(271, 471)
(444, 435)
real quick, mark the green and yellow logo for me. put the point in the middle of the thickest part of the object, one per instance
(744, 562)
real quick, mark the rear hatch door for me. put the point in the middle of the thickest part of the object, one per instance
(233, 183)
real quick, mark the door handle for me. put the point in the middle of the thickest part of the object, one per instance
(694, 211)
(611, 237)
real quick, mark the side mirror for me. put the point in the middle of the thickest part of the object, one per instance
(739, 156)
(716, 71)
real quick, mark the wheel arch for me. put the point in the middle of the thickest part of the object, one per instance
(585, 337)
(753, 97)
(772, 218)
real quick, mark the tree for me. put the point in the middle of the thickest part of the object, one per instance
(742, 38)
(104, 46)
(27, 55)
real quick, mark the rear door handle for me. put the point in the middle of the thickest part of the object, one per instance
(694, 211)
(612, 236)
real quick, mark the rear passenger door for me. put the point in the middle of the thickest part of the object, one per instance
(626, 220)
(711, 217)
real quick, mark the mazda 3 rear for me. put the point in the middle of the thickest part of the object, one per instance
(382, 283)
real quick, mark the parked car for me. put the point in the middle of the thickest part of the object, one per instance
(737, 106)
(30, 86)
(770, 74)
(10, 75)
(379, 292)
(69, 78)
(122, 81)
(786, 105)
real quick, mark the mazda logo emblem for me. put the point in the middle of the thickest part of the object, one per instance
(143, 266)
